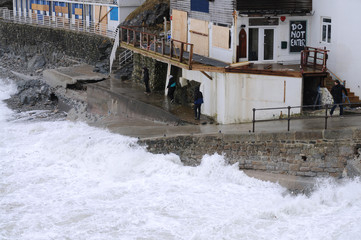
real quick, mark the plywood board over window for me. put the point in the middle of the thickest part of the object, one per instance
(100, 14)
(199, 35)
(220, 37)
(179, 26)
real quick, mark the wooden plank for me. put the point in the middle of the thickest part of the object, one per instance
(245, 6)
(220, 37)
(64, 10)
(78, 11)
(205, 74)
(201, 42)
(100, 13)
(179, 26)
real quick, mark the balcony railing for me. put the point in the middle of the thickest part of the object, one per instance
(57, 22)
(172, 49)
(315, 58)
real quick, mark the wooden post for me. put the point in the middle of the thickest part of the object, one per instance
(181, 53)
(134, 38)
(190, 57)
(163, 46)
(148, 42)
(171, 49)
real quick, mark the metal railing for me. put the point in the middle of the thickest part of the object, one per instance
(125, 57)
(114, 50)
(57, 22)
(291, 116)
(173, 49)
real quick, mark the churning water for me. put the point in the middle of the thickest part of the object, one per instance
(65, 180)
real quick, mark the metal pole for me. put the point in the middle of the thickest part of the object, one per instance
(326, 116)
(254, 120)
(289, 118)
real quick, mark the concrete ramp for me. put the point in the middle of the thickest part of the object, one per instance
(103, 101)
(62, 77)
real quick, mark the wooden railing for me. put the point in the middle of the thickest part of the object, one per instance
(315, 58)
(171, 49)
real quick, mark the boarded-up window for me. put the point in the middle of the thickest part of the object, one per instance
(199, 36)
(179, 26)
(220, 37)
(101, 14)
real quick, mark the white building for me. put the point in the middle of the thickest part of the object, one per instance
(335, 26)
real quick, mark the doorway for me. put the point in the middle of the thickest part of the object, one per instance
(261, 44)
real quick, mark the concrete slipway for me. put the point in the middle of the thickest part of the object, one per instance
(127, 110)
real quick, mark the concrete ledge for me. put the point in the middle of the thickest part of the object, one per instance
(62, 77)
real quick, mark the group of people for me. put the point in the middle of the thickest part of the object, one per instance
(198, 96)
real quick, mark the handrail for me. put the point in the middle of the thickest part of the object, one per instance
(56, 22)
(337, 78)
(289, 117)
(305, 56)
(174, 50)
(114, 50)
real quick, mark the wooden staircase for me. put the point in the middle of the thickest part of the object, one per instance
(329, 82)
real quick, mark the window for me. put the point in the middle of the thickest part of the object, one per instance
(326, 30)
(200, 5)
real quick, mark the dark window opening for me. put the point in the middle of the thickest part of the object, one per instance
(200, 6)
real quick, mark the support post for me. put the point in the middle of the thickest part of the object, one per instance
(289, 118)
(254, 120)
(167, 80)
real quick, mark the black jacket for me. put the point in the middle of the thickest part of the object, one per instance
(171, 83)
(336, 92)
(146, 75)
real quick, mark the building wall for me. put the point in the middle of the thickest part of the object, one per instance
(344, 56)
(230, 97)
(282, 33)
(219, 11)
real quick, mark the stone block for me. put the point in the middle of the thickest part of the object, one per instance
(338, 134)
(294, 167)
(308, 135)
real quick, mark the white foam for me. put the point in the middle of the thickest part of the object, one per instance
(64, 180)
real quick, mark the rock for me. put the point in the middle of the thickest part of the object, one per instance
(38, 61)
(150, 17)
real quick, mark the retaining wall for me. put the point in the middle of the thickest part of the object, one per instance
(27, 40)
(309, 154)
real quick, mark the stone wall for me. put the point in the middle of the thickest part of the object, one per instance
(157, 72)
(27, 41)
(310, 154)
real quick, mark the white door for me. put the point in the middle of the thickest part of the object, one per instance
(261, 44)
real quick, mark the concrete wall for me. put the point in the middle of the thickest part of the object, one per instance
(230, 98)
(344, 56)
(310, 154)
(26, 40)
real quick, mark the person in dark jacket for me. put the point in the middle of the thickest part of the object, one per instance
(336, 92)
(171, 88)
(146, 79)
(198, 100)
